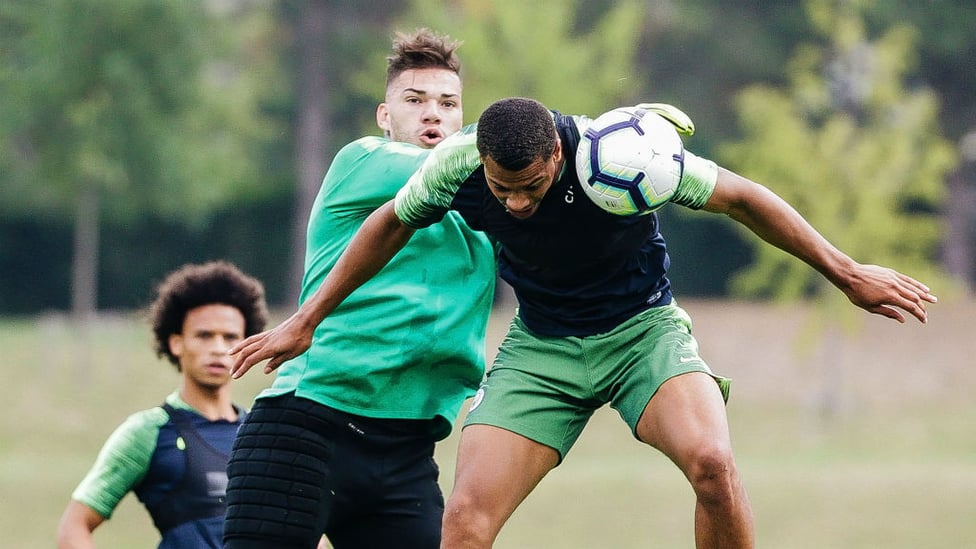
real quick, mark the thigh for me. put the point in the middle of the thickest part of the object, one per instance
(685, 416)
(399, 503)
(279, 476)
(496, 469)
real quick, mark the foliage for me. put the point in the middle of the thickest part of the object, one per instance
(852, 146)
(119, 111)
(569, 55)
(127, 97)
(182, 115)
(945, 48)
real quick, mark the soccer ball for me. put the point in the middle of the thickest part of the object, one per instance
(629, 161)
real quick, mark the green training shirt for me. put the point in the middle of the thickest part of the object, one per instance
(409, 343)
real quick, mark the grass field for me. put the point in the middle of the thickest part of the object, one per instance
(873, 447)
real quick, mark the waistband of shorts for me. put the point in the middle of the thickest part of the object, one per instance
(410, 427)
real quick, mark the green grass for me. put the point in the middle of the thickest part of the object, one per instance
(875, 447)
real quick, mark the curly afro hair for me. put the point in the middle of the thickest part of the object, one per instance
(192, 286)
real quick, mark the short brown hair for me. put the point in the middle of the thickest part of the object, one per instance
(423, 49)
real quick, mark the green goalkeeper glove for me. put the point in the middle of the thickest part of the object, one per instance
(681, 121)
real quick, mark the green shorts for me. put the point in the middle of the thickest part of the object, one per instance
(547, 388)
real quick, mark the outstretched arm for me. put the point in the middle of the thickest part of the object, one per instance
(380, 237)
(879, 290)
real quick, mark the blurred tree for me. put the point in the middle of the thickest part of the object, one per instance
(854, 148)
(697, 54)
(114, 109)
(330, 43)
(700, 53)
(946, 51)
(312, 131)
(858, 151)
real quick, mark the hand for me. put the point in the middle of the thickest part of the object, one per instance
(284, 342)
(887, 293)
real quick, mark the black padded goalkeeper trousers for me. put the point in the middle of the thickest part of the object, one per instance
(300, 469)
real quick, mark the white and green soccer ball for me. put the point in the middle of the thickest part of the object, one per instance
(630, 161)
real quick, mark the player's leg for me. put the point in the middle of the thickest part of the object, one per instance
(686, 420)
(392, 497)
(672, 401)
(278, 476)
(525, 417)
(496, 469)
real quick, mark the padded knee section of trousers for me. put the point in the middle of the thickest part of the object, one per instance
(276, 479)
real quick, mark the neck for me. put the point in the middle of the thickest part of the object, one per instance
(212, 403)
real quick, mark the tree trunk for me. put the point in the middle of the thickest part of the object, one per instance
(311, 140)
(959, 253)
(84, 275)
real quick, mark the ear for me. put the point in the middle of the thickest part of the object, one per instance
(557, 153)
(176, 345)
(383, 118)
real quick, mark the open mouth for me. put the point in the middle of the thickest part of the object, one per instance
(431, 136)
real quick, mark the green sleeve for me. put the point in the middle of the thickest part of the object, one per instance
(427, 196)
(122, 462)
(697, 182)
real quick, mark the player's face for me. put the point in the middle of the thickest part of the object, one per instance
(423, 106)
(208, 332)
(522, 191)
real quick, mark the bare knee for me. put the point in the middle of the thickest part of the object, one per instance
(712, 473)
(467, 523)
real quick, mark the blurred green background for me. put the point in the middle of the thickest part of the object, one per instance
(138, 135)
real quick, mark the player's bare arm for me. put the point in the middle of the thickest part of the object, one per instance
(77, 527)
(879, 290)
(381, 236)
